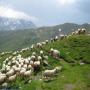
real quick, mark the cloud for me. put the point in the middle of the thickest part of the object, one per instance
(11, 13)
(65, 2)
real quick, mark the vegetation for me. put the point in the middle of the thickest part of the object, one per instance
(74, 76)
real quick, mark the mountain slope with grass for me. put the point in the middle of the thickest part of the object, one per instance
(17, 39)
(75, 62)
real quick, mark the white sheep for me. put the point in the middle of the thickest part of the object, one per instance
(2, 77)
(29, 66)
(23, 70)
(49, 73)
(4, 84)
(39, 58)
(41, 52)
(10, 73)
(33, 58)
(28, 73)
(36, 63)
(39, 45)
(31, 63)
(12, 78)
(34, 54)
(54, 52)
(47, 41)
(43, 43)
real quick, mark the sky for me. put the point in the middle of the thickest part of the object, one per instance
(47, 12)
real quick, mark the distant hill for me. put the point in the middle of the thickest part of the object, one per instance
(14, 24)
(17, 39)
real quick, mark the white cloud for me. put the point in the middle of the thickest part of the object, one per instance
(11, 13)
(65, 2)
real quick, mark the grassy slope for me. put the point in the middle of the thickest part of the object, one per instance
(14, 40)
(73, 76)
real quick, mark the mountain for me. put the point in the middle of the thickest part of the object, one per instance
(15, 24)
(17, 39)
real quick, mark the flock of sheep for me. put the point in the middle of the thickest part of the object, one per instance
(17, 66)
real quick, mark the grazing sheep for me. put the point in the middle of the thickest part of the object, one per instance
(46, 57)
(39, 58)
(23, 70)
(29, 66)
(25, 66)
(12, 78)
(39, 45)
(43, 43)
(34, 54)
(52, 40)
(26, 61)
(31, 63)
(28, 73)
(36, 63)
(49, 73)
(54, 53)
(41, 52)
(47, 41)
(4, 84)
(62, 36)
(10, 72)
(2, 77)
(56, 38)
(33, 58)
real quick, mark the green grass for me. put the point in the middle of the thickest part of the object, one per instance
(73, 76)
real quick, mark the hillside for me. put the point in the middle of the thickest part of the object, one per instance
(14, 40)
(74, 59)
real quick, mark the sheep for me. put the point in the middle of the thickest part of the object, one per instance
(34, 54)
(29, 66)
(54, 53)
(4, 84)
(33, 58)
(41, 52)
(52, 40)
(39, 58)
(31, 63)
(49, 73)
(56, 38)
(62, 36)
(28, 73)
(36, 63)
(2, 77)
(7, 68)
(47, 41)
(12, 78)
(43, 43)
(22, 71)
(39, 45)
(46, 57)
(10, 72)
(25, 66)
(59, 68)
(26, 61)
